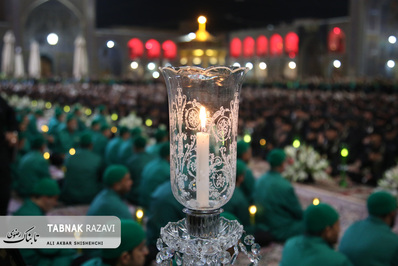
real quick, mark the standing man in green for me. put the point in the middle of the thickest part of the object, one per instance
(82, 180)
(278, 207)
(109, 201)
(371, 241)
(44, 198)
(315, 247)
(32, 167)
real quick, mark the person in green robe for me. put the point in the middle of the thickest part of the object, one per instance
(136, 163)
(238, 204)
(101, 139)
(32, 130)
(67, 136)
(278, 207)
(77, 112)
(161, 136)
(131, 252)
(126, 149)
(244, 153)
(55, 121)
(315, 246)
(154, 174)
(109, 201)
(112, 148)
(32, 167)
(371, 241)
(44, 198)
(101, 113)
(82, 180)
(163, 208)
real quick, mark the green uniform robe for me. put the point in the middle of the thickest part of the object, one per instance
(111, 151)
(95, 262)
(311, 251)
(239, 206)
(370, 242)
(248, 185)
(82, 180)
(163, 208)
(108, 202)
(53, 125)
(65, 140)
(136, 164)
(278, 207)
(32, 167)
(154, 149)
(43, 257)
(99, 143)
(125, 150)
(153, 175)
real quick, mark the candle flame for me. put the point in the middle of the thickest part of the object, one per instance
(202, 117)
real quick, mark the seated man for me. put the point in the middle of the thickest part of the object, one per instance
(278, 206)
(83, 171)
(44, 198)
(371, 241)
(109, 201)
(315, 247)
(131, 252)
(155, 173)
(163, 208)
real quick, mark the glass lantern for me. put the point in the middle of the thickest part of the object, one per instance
(203, 110)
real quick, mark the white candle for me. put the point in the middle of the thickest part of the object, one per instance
(202, 163)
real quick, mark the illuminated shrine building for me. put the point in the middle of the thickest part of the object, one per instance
(353, 46)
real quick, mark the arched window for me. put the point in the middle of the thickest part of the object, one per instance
(169, 49)
(248, 47)
(136, 48)
(235, 47)
(336, 40)
(276, 45)
(152, 47)
(291, 44)
(261, 45)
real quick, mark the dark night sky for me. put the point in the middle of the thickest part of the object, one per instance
(222, 15)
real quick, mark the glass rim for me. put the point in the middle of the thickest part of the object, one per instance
(179, 69)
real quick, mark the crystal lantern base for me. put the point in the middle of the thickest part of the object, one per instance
(204, 238)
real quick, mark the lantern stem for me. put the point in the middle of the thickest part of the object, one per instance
(203, 224)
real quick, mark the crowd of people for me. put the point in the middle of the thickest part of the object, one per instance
(106, 170)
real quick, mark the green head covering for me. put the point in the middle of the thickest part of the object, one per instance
(135, 132)
(57, 111)
(242, 148)
(95, 121)
(276, 157)
(131, 236)
(37, 142)
(70, 117)
(381, 203)
(101, 108)
(318, 217)
(86, 139)
(114, 173)
(39, 112)
(104, 126)
(123, 130)
(240, 167)
(140, 142)
(76, 108)
(160, 134)
(164, 150)
(46, 187)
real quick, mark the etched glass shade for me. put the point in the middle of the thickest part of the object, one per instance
(203, 109)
